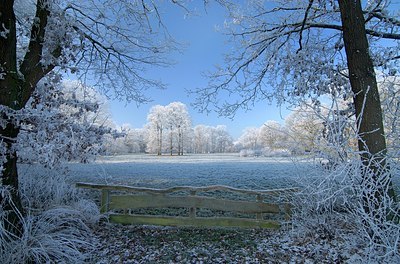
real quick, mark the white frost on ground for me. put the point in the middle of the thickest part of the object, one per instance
(194, 170)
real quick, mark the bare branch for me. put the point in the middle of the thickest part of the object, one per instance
(304, 23)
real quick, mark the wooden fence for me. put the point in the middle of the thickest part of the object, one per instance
(122, 203)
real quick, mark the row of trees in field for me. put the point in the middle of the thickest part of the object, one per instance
(317, 127)
(308, 128)
(169, 131)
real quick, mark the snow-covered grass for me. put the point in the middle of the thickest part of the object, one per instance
(56, 235)
(194, 170)
(55, 228)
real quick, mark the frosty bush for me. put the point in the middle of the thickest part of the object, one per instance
(267, 152)
(323, 201)
(333, 207)
(46, 190)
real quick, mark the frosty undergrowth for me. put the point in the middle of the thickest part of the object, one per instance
(55, 228)
(332, 207)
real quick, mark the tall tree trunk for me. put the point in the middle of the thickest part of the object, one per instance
(179, 140)
(170, 140)
(10, 92)
(159, 142)
(17, 84)
(371, 142)
(12, 205)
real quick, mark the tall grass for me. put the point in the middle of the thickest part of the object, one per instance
(56, 226)
(333, 207)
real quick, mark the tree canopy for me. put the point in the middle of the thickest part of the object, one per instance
(288, 50)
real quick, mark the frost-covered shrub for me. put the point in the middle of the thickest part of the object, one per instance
(322, 202)
(43, 189)
(245, 153)
(267, 152)
(351, 200)
(333, 207)
(250, 153)
(89, 211)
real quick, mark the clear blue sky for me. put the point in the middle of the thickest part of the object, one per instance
(204, 50)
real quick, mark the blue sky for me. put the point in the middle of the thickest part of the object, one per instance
(204, 50)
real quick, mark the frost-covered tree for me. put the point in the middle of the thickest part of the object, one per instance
(293, 49)
(110, 42)
(126, 140)
(66, 124)
(201, 139)
(304, 128)
(86, 104)
(223, 141)
(138, 138)
(249, 140)
(178, 122)
(168, 123)
(156, 124)
(272, 135)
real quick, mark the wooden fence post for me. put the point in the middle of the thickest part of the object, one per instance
(288, 211)
(192, 210)
(105, 201)
(259, 216)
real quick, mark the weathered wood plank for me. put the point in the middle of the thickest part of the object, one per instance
(162, 201)
(259, 215)
(181, 188)
(197, 222)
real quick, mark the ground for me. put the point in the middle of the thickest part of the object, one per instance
(149, 244)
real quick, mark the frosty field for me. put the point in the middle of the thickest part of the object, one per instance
(144, 244)
(192, 170)
(195, 170)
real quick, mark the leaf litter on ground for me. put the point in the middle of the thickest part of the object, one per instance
(155, 244)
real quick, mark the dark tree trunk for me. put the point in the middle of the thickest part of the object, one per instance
(9, 178)
(10, 92)
(170, 141)
(179, 140)
(17, 85)
(371, 142)
(159, 140)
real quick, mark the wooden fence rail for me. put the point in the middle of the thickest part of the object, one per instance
(116, 199)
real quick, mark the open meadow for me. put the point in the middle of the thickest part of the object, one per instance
(193, 170)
